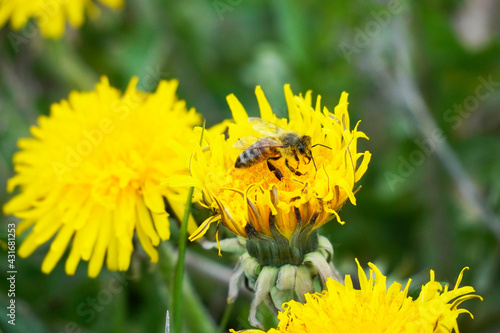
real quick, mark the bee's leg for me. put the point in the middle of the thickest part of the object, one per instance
(298, 173)
(273, 168)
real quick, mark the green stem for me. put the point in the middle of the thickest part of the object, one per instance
(195, 316)
(225, 317)
(179, 269)
(71, 69)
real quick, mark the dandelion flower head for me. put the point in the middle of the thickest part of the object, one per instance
(253, 201)
(90, 175)
(376, 308)
(50, 15)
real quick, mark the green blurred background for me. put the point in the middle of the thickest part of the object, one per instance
(423, 77)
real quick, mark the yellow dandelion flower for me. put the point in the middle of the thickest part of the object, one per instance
(90, 175)
(256, 202)
(274, 182)
(50, 15)
(376, 308)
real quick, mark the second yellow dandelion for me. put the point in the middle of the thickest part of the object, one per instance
(91, 174)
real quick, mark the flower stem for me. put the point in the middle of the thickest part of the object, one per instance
(179, 269)
(225, 317)
(195, 316)
(71, 69)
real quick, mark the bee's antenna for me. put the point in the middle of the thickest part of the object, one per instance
(319, 144)
(312, 157)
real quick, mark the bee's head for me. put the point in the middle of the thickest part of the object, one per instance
(304, 147)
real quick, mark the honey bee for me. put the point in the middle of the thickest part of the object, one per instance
(278, 143)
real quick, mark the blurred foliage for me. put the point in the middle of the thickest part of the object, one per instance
(407, 228)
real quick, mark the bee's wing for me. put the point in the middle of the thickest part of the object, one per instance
(245, 142)
(269, 142)
(265, 127)
(249, 141)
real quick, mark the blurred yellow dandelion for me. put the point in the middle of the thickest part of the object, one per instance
(90, 175)
(375, 308)
(50, 15)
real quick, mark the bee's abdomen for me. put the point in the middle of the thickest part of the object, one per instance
(252, 156)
